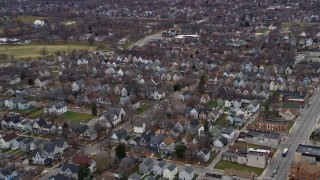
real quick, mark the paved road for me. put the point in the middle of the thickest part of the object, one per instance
(298, 135)
(145, 41)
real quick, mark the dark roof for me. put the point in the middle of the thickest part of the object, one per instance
(41, 122)
(58, 142)
(135, 176)
(171, 167)
(73, 168)
(121, 133)
(147, 135)
(20, 138)
(9, 137)
(194, 122)
(188, 169)
(223, 140)
(59, 177)
(227, 130)
(162, 163)
(205, 151)
(27, 140)
(309, 150)
(6, 171)
(147, 161)
(271, 135)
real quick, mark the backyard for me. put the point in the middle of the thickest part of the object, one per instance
(77, 117)
(141, 110)
(222, 165)
(36, 113)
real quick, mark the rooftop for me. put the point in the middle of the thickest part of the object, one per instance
(310, 150)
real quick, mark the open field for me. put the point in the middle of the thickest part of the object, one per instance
(77, 117)
(33, 50)
(222, 165)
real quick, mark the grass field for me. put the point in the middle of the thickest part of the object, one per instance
(141, 109)
(222, 165)
(36, 113)
(33, 50)
(77, 117)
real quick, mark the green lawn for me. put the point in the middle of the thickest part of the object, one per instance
(33, 50)
(141, 109)
(195, 176)
(290, 125)
(222, 165)
(36, 113)
(285, 25)
(78, 117)
(12, 152)
(127, 44)
(221, 121)
(213, 104)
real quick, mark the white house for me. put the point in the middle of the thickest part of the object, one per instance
(228, 133)
(112, 117)
(254, 106)
(220, 142)
(156, 94)
(139, 127)
(57, 108)
(186, 174)
(77, 85)
(170, 172)
(6, 141)
(82, 61)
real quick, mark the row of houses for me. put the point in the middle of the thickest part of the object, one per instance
(163, 169)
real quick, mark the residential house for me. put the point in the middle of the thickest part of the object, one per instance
(112, 117)
(49, 129)
(21, 126)
(262, 138)
(139, 127)
(8, 172)
(119, 136)
(70, 170)
(146, 166)
(214, 115)
(231, 174)
(145, 138)
(38, 126)
(170, 172)
(17, 103)
(16, 142)
(220, 142)
(6, 140)
(205, 98)
(27, 145)
(193, 126)
(156, 94)
(6, 120)
(254, 106)
(289, 113)
(181, 123)
(56, 108)
(167, 145)
(186, 174)
(134, 176)
(42, 81)
(155, 141)
(41, 157)
(204, 154)
(85, 160)
(228, 133)
(158, 168)
(14, 123)
(77, 85)
(89, 135)
(193, 113)
(215, 131)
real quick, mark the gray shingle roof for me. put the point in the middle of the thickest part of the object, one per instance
(73, 168)
(171, 167)
(188, 169)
